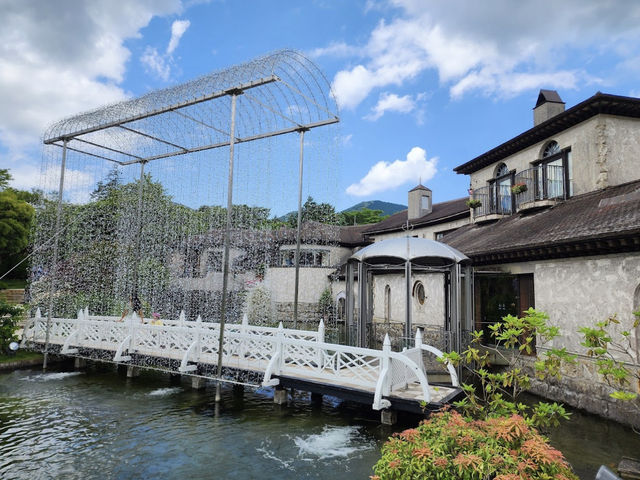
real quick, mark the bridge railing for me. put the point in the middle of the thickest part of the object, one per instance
(274, 351)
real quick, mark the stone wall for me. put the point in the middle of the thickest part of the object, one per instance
(14, 295)
(580, 292)
(307, 312)
(580, 386)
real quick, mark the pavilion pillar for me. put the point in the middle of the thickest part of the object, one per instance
(362, 297)
(350, 303)
(408, 328)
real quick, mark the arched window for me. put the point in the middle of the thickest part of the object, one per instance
(387, 304)
(500, 188)
(551, 149)
(501, 170)
(551, 172)
(419, 293)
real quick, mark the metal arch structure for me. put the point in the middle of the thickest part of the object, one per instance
(273, 95)
(276, 94)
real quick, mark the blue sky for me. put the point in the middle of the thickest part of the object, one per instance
(423, 86)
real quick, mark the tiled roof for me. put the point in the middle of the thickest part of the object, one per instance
(597, 222)
(440, 213)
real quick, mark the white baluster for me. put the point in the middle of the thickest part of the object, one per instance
(386, 364)
(243, 336)
(80, 314)
(418, 337)
(182, 318)
(86, 312)
(320, 340)
(38, 313)
(280, 346)
(199, 319)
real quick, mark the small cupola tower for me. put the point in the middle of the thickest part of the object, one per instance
(549, 105)
(419, 202)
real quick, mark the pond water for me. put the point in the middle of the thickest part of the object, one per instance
(98, 424)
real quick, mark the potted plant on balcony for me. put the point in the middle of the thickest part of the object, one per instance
(519, 188)
(473, 204)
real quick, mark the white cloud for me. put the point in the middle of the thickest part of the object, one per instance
(160, 64)
(336, 49)
(388, 175)
(178, 27)
(155, 63)
(390, 102)
(58, 59)
(494, 47)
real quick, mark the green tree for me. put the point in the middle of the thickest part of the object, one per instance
(15, 218)
(362, 217)
(10, 315)
(315, 212)
(5, 178)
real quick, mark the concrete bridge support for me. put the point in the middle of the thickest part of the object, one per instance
(198, 383)
(388, 417)
(280, 395)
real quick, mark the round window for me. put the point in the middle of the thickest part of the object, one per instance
(418, 293)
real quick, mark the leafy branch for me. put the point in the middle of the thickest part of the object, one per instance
(495, 393)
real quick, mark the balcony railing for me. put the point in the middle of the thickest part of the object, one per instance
(494, 200)
(544, 182)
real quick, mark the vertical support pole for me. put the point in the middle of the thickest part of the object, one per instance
(408, 327)
(298, 231)
(138, 238)
(54, 265)
(350, 303)
(227, 241)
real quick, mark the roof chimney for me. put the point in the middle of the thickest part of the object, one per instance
(549, 105)
(419, 202)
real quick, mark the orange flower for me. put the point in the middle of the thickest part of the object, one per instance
(410, 434)
(440, 462)
(394, 463)
(423, 452)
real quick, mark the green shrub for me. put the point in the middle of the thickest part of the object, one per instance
(10, 316)
(449, 446)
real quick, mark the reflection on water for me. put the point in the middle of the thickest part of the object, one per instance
(101, 425)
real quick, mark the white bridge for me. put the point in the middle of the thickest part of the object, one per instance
(279, 356)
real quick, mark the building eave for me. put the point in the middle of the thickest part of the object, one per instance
(600, 103)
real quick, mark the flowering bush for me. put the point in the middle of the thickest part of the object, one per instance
(471, 203)
(449, 446)
(519, 188)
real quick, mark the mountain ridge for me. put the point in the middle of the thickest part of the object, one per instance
(387, 208)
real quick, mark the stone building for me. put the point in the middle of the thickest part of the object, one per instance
(558, 228)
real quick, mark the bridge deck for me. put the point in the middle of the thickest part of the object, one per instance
(276, 356)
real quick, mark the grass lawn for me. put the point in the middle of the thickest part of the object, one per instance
(20, 355)
(10, 283)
